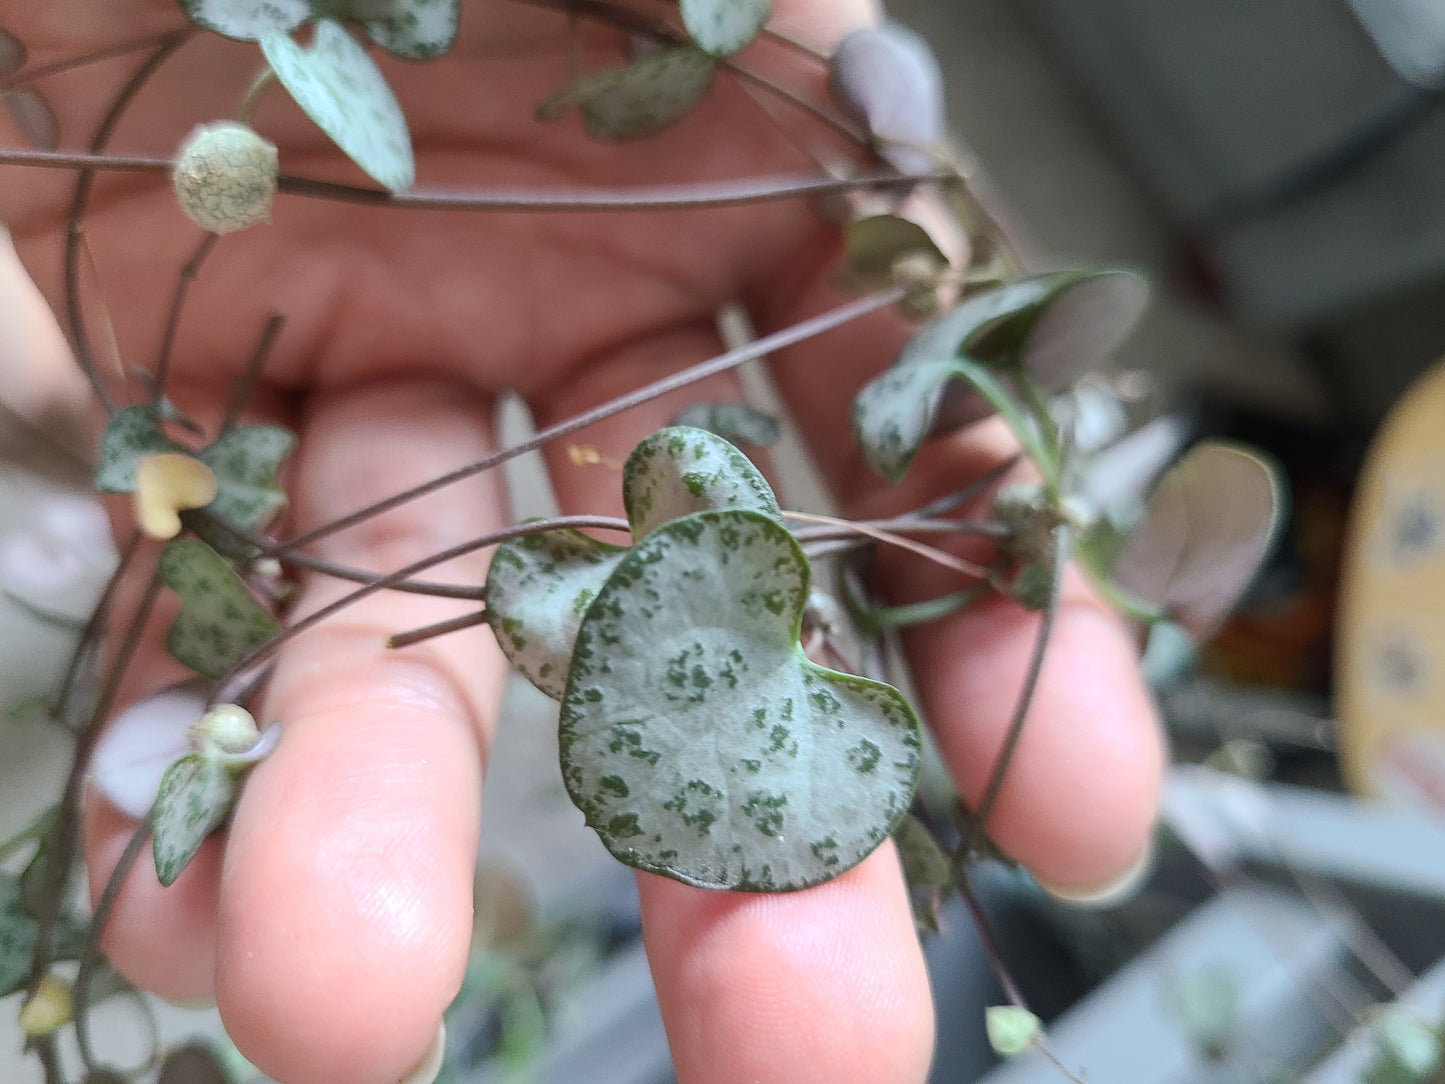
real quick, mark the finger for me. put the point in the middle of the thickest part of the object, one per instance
(1079, 800)
(825, 984)
(345, 911)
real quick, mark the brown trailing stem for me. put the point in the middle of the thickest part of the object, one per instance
(246, 382)
(25, 77)
(1026, 693)
(80, 200)
(986, 936)
(521, 530)
(768, 344)
(662, 197)
(63, 841)
(91, 956)
(441, 628)
(189, 270)
(94, 627)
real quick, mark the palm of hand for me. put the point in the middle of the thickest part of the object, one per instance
(334, 930)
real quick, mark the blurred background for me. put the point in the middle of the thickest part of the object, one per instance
(1276, 168)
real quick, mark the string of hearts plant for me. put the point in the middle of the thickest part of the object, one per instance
(702, 735)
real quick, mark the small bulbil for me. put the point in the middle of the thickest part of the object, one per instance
(225, 177)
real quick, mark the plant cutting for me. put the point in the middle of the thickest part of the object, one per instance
(293, 361)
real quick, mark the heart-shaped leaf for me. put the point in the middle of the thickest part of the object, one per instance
(1012, 328)
(678, 471)
(887, 78)
(131, 435)
(248, 20)
(414, 29)
(196, 796)
(245, 461)
(220, 621)
(722, 27)
(696, 736)
(876, 243)
(538, 587)
(12, 54)
(640, 99)
(34, 116)
(166, 484)
(737, 423)
(923, 860)
(1210, 523)
(336, 84)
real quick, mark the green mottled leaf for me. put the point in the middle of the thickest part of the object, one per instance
(924, 862)
(12, 53)
(539, 587)
(734, 422)
(414, 29)
(337, 86)
(680, 470)
(17, 937)
(1011, 1029)
(193, 1064)
(1208, 527)
(245, 462)
(640, 99)
(722, 27)
(875, 243)
(895, 412)
(698, 739)
(33, 115)
(1407, 1048)
(131, 435)
(197, 795)
(220, 622)
(1051, 328)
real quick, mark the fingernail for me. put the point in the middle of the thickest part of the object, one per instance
(430, 1066)
(1112, 892)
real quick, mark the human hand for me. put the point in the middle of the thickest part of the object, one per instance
(334, 924)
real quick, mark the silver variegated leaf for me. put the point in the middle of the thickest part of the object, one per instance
(696, 736)
(538, 588)
(196, 796)
(888, 79)
(339, 87)
(722, 27)
(735, 422)
(248, 20)
(414, 29)
(681, 470)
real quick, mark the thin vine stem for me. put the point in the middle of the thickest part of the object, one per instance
(937, 556)
(1026, 693)
(62, 843)
(441, 628)
(91, 955)
(661, 197)
(94, 626)
(768, 344)
(986, 936)
(189, 270)
(25, 77)
(80, 200)
(521, 530)
(251, 373)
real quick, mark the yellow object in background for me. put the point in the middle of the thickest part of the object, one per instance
(1390, 650)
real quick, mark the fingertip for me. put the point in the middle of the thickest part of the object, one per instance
(826, 984)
